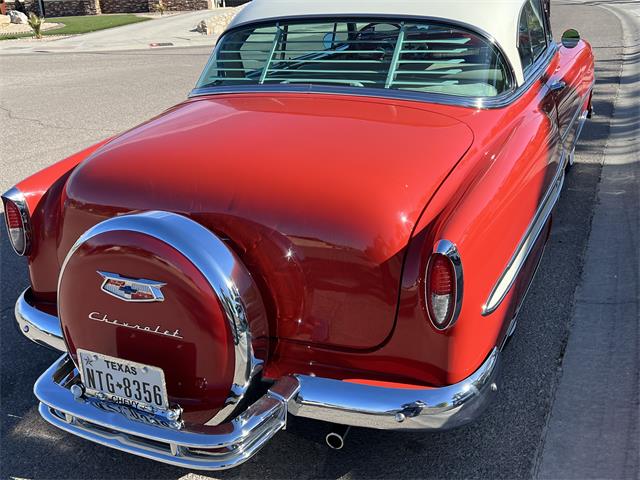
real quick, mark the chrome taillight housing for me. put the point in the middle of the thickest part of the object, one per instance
(444, 285)
(16, 215)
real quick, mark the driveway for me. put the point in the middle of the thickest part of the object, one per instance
(172, 30)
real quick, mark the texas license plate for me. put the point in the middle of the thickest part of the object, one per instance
(121, 381)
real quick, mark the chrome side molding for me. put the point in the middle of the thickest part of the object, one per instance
(38, 326)
(508, 277)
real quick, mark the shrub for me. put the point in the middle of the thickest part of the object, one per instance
(36, 22)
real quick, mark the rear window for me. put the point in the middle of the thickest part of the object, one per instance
(418, 56)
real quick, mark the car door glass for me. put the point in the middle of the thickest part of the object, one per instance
(532, 39)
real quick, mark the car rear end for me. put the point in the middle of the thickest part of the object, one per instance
(173, 342)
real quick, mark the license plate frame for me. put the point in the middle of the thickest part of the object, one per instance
(145, 387)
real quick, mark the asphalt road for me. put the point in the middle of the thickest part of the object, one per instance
(54, 104)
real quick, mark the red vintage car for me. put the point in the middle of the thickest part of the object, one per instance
(340, 223)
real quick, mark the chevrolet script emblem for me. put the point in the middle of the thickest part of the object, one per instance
(131, 289)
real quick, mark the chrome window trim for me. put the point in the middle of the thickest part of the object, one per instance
(215, 261)
(499, 101)
(449, 250)
(479, 103)
(15, 195)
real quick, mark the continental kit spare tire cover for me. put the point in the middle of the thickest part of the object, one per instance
(159, 289)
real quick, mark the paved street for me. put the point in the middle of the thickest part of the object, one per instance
(567, 406)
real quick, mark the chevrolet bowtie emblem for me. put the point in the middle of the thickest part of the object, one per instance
(131, 289)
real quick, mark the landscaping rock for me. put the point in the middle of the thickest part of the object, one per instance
(218, 23)
(18, 17)
(4, 19)
(14, 28)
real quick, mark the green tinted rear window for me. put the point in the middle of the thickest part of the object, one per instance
(416, 56)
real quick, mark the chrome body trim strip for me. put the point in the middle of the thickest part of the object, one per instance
(17, 197)
(508, 277)
(449, 250)
(209, 448)
(217, 263)
(581, 121)
(428, 409)
(38, 326)
(517, 261)
(514, 319)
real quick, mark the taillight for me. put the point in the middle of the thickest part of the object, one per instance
(444, 285)
(17, 220)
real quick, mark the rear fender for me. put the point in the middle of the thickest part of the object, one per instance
(44, 194)
(484, 207)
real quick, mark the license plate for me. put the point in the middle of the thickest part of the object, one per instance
(123, 382)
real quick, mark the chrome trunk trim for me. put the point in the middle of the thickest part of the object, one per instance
(207, 448)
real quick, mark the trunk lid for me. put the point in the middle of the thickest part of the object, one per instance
(317, 194)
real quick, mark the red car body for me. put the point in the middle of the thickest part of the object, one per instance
(333, 205)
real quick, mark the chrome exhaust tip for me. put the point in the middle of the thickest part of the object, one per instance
(336, 438)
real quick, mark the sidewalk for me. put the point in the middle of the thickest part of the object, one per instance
(170, 31)
(593, 430)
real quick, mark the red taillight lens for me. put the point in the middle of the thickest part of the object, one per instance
(16, 226)
(14, 220)
(441, 290)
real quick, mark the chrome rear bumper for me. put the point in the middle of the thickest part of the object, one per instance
(229, 444)
(211, 448)
(395, 408)
(38, 326)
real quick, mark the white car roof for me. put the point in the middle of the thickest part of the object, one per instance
(497, 18)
